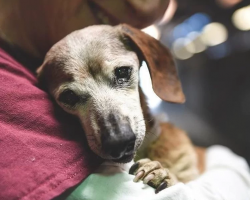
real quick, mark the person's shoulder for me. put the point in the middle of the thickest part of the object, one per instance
(7, 57)
(215, 153)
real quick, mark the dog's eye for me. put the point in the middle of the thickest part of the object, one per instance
(69, 97)
(122, 74)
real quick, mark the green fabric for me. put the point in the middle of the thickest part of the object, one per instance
(86, 191)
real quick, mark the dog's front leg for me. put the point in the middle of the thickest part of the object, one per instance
(153, 174)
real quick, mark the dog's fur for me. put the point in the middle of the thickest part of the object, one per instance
(85, 61)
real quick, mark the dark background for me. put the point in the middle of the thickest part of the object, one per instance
(216, 82)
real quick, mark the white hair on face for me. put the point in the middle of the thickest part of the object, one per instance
(89, 69)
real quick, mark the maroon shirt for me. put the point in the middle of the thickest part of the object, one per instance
(43, 151)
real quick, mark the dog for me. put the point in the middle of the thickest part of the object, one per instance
(93, 74)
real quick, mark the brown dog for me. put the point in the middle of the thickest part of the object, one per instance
(93, 74)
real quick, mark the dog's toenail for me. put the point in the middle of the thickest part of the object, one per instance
(133, 168)
(148, 178)
(161, 187)
(138, 176)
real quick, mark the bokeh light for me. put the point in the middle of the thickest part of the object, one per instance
(197, 43)
(195, 23)
(214, 33)
(228, 3)
(181, 48)
(241, 18)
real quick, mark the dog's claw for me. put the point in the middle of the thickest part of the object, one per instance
(133, 168)
(148, 178)
(152, 173)
(138, 176)
(161, 187)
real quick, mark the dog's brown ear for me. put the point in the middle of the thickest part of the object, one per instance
(41, 77)
(162, 69)
(45, 76)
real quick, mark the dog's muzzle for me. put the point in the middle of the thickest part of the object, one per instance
(118, 139)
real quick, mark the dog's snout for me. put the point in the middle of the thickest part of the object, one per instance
(119, 145)
(118, 140)
(123, 147)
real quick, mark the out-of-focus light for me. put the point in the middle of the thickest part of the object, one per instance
(181, 48)
(194, 23)
(146, 85)
(197, 43)
(241, 18)
(219, 51)
(214, 33)
(169, 12)
(152, 31)
(181, 30)
(228, 3)
(198, 21)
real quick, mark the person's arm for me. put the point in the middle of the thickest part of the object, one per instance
(226, 177)
(43, 150)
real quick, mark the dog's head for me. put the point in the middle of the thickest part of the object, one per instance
(93, 74)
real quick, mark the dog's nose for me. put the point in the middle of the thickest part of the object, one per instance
(119, 146)
(118, 140)
(122, 147)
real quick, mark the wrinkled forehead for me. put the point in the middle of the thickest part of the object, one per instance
(87, 54)
(95, 50)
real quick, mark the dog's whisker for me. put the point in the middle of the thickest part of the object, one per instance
(140, 121)
(146, 120)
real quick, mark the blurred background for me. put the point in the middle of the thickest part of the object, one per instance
(210, 41)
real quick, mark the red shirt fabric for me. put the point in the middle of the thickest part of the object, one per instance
(43, 150)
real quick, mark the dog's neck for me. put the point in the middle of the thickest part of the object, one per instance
(111, 167)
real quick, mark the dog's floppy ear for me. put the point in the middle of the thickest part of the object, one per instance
(43, 75)
(162, 69)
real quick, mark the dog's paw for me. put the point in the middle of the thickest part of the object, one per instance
(153, 174)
